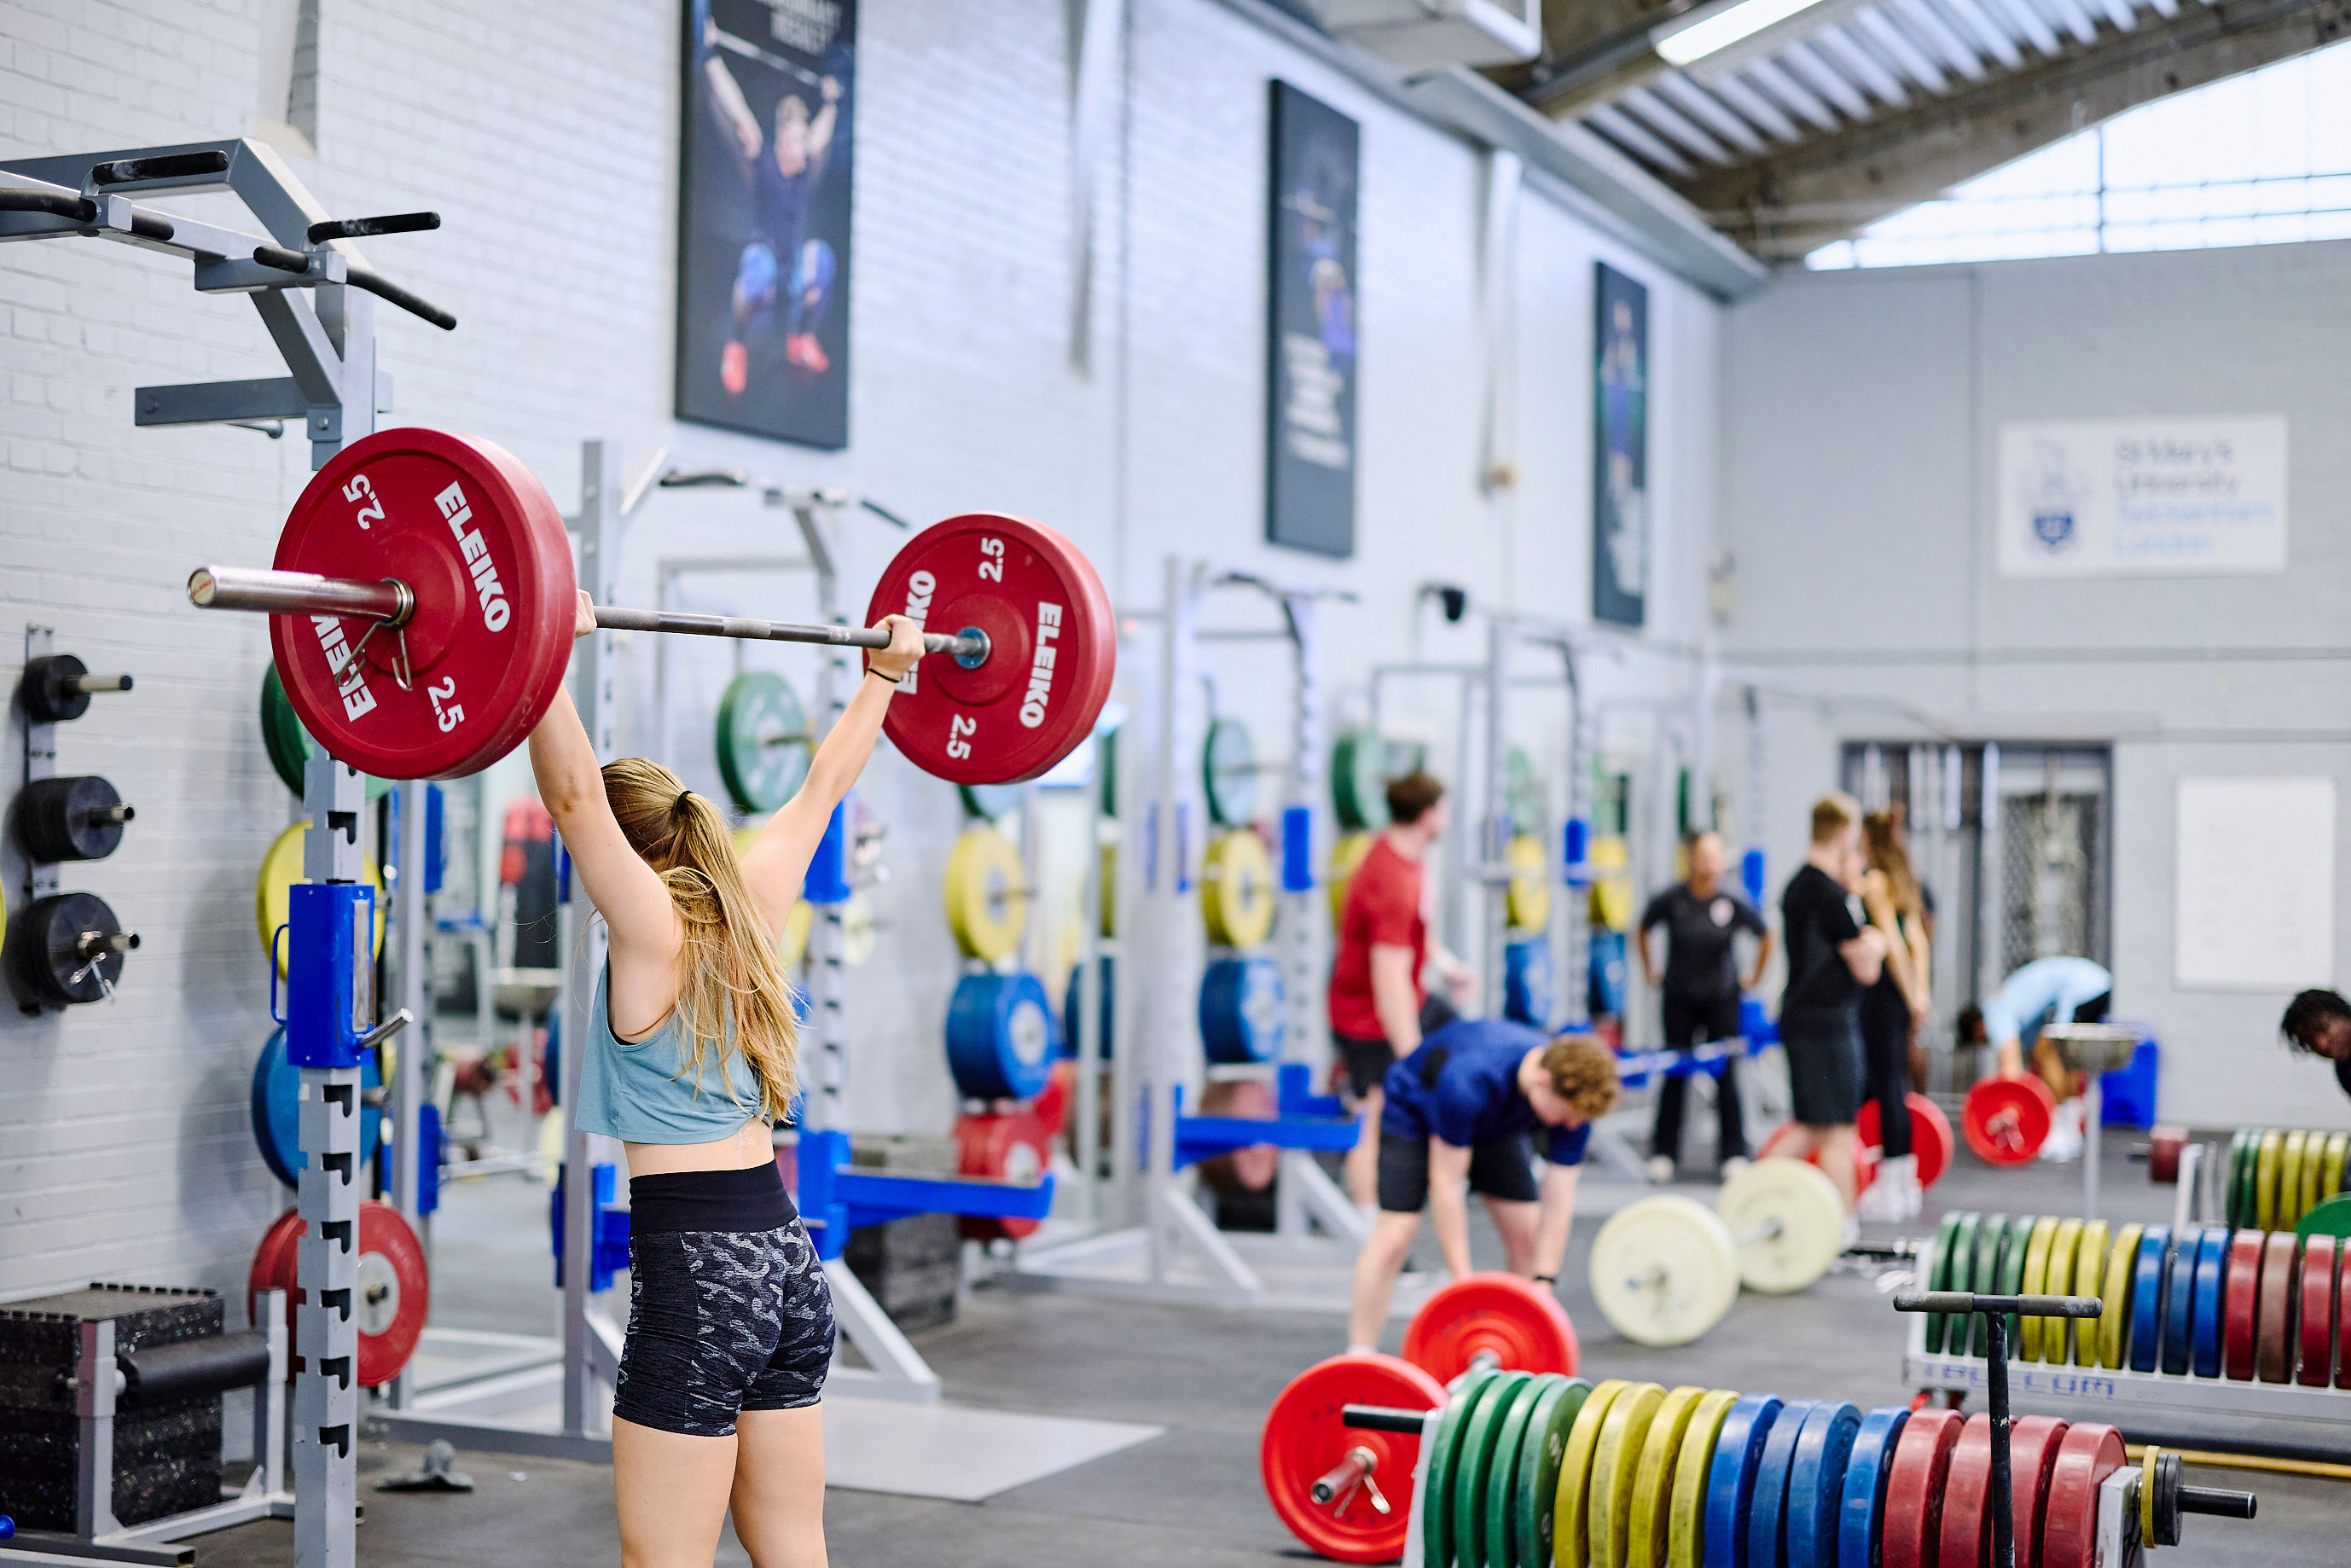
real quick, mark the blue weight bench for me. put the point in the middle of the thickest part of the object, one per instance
(1316, 1124)
(837, 1197)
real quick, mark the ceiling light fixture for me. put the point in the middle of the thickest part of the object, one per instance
(1688, 39)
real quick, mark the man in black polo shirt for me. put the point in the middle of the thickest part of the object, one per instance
(1832, 955)
(1700, 994)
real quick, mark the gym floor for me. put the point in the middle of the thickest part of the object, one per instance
(1192, 1496)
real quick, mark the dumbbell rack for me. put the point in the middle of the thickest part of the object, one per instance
(2131, 1399)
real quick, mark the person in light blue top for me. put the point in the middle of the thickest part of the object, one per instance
(2058, 989)
(689, 1062)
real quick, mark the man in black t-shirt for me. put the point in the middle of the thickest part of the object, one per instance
(1833, 955)
(1700, 993)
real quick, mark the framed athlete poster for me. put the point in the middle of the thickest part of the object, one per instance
(1310, 469)
(1620, 448)
(763, 217)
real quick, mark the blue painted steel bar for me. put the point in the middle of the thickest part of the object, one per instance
(836, 1197)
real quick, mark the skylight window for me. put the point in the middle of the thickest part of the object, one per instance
(2259, 159)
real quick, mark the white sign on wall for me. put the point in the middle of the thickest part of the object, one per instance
(2255, 862)
(2130, 497)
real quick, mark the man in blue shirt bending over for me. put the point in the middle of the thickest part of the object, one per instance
(2047, 990)
(1459, 1110)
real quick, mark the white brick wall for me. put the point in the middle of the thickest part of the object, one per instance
(546, 136)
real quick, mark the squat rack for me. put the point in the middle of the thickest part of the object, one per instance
(334, 389)
(1154, 1022)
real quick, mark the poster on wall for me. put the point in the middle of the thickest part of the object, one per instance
(2133, 497)
(1620, 448)
(763, 217)
(2253, 904)
(1309, 478)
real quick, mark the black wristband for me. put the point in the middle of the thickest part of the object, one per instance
(1546, 1279)
(894, 680)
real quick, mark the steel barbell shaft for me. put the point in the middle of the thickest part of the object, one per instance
(1383, 1418)
(298, 593)
(612, 619)
(2219, 1503)
(390, 600)
(1359, 1463)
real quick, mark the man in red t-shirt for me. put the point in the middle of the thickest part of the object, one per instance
(1377, 989)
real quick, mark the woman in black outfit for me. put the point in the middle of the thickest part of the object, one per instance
(1891, 1010)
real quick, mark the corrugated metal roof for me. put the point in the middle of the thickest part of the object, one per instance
(1856, 64)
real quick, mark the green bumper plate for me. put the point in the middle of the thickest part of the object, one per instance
(1532, 1515)
(1961, 1276)
(1229, 773)
(1502, 1504)
(1473, 1458)
(288, 744)
(2011, 1272)
(1940, 1277)
(763, 740)
(1991, 1238)
(1522, 792)
(1436, 1495)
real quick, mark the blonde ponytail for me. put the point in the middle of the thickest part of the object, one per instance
(731, 975)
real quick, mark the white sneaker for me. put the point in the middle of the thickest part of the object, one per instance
(1881, 1201)
(2062, 1146)
(1733, 1166)
(1661, 1170)
(1901, 1175)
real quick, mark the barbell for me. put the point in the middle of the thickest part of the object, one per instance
(1568, 1474)
(1483, 1330)
(452, 559)
(1666, 1269)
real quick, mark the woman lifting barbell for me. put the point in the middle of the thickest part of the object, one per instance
(1458, 1114)
(691, 1058)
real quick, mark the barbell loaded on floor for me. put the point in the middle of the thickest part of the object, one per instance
(1931, 1142)
(1665, 1270)
(2006, 1120)
(1552, 1472)
(422, 598)
(1480, 1326)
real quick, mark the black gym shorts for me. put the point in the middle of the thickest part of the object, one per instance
(733, 1315)
(1502, 1168)
(1824, 1064)
(1367, 1061)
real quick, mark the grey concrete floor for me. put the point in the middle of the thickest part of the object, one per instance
(1193, 1495)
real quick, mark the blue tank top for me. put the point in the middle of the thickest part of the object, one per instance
(640, 1091)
